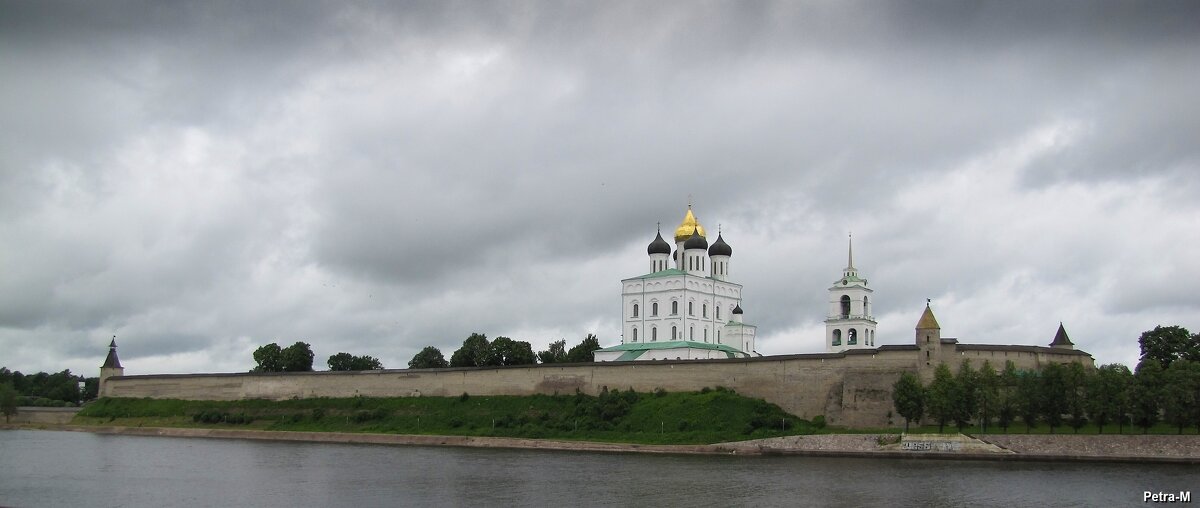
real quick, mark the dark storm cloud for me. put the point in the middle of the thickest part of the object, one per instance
(376, 177)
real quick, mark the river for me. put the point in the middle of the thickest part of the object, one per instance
(51, 468)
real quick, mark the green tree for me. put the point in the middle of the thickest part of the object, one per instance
(506, 351)
(583, 352)
(1165, 344)
(1106, 395)
(1007, 405)
(966, 400)
(91, 388)
(908, 396)
(60, 386)
(1029, 404)
(268, 358)
(346, 361)
(8, 401)
(1076, 385)
(941, 395)
(556, 353)
(1053, 394)
(988, 393)
(428, 358)
(1179, 394)
(476, 351)
(297, 357)
(1145, 397)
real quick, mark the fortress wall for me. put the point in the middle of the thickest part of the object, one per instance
(1023, 360)
(850, 389)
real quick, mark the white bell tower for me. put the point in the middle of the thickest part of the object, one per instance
(850, 323)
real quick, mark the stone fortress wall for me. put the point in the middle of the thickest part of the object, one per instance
(852, 388)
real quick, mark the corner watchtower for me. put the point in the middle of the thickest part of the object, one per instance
(1061, 341)
(112, 365)
(929, 340)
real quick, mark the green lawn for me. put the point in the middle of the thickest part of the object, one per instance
(710, 416)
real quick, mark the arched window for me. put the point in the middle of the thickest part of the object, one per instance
(718, 308)
(691, 310)
(852, 337)
(635, 310)
(674, 307)
(706, 335)
(837, 337)
(653, 334)
(674, 332)
(691, 333)
(654, 309)
(865, 313)
(704, 309)
(635, 334)
(845, 306)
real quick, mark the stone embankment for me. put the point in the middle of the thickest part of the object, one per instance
(1098, 445)
(1104, 448)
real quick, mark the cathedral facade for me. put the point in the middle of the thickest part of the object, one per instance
(685, 307)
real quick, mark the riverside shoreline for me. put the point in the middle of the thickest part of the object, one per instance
(1040, 448)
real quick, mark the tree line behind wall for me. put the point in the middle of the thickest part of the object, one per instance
(1164, 387)
(476, 351)
(46, 389)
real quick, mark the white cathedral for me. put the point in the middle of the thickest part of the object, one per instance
(686, 308)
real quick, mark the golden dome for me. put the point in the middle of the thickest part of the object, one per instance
(689, 224)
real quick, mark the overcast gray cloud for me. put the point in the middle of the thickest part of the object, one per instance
(203, 178)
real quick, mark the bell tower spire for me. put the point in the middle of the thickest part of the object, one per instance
(850, 323)
(850, 271)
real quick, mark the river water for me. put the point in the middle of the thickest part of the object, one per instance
(47, 468)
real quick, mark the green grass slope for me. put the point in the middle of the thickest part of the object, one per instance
(709, 416)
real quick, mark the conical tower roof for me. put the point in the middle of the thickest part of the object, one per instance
(1060, 338)
(927, 320)
(112, 362)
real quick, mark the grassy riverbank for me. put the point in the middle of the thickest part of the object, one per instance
(711, 416)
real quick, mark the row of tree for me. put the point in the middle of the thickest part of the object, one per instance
(298, 357)
(1165, 386)
(49, 388)
(477, 351)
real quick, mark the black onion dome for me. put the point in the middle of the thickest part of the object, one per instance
(720, 248)
(695, 242)
(658, 246)
(737, 309)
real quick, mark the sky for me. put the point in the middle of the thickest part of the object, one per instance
(203, 178)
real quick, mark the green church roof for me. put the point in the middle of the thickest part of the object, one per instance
(636, 349)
